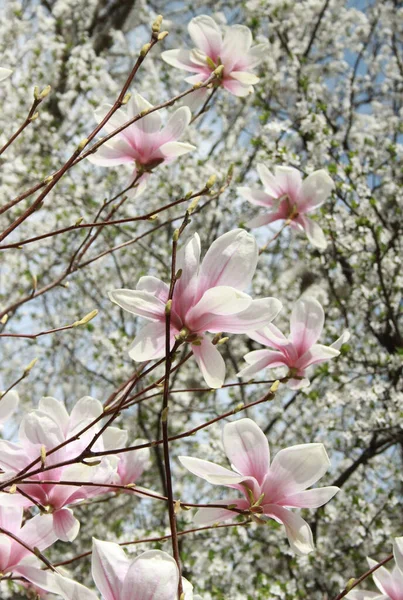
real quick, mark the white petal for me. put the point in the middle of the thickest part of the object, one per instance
(257, 315)
(310, 498)
(56, 410)
(181, 59)
(188, 259)
(298, 531)
(245, 77)
(174, 149)
(383, 578)
(306, 323)
(264, 359)
(85, 410)
(256, 55)
(114, 437)
(65, 524)
(313, 232)
(247, 448)
(4, 73)
(209, 516)
(315, 190)
(269, 181)
(149, 343)
(139, 303)
(256, 197)
(398, 552)
(206, 35)
(111, 154)
(176, 125)
(236, 45)
(206, 469)
(210, 362)
(71, 590)
(217, 301)
(261, 220)
(343, 339)
(39, 532)
(154, 575)
(230, 260)
(298, 467)
(149, 123)
(109, 568)
(153, 286)
(315, 355)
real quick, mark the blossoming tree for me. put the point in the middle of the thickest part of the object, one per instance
(173, 192)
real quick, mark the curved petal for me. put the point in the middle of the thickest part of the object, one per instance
(149, 343)
(153, 575)
(364, 595)
(210, 362)
(315, 355)
(230, 260)
(176, 125)
(313, 232)
(188, 259)
(8, 405)
(269, 181)
(132, 463)
(12, 457)
(149, 124)
(153, 286)
(10, 516)
(216, 302)
(65, 524)
(71, 590)
(55, 410)
(247, 448)
(256, 197)
(174, 149)
(84, 411)
(315, 190)
(310, 498)
(206, 35)
(236, 87)
(255, 56)
(139, 303)
(289, 181)
(4, 73)
(398, 552)
(205, 469)
(39, 532)
(258, 314)
(244, 77)
(383, 579)
(109, 568)
(209, 516)
(306, 324)
(38, 429)
(270, 336)
(298, 531)
(295, 469)
(264, 359)
(114, 153)
(181, 59)
(343, 339)
(261, 220)
(236, 45)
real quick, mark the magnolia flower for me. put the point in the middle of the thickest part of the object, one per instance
(4, 73)
(8, 405)
(132, 463)
(234, 52)
(15, 558)
(207, 297)
(390, 584)
(269, 490)
(287, 197)
(42, 430)
(144, 145)
(297, 352)
(150, 576)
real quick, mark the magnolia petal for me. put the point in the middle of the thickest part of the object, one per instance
(65, 524)
(297, 468)
(313, 232)
(398, 552)
(236, 45)
(174, 149)
(8, 405)
(244, 77)
(289, 181)
(315, 190)
(306, 324)
(111, 154)
(310, 498)
(188, 260)
(258, 314)
(12, 457)
(269, 181)
(298, 531)
(219, 301)
(206, 35)
(256, 197)
(181, 59)
(176, 125)
(298, 384)
(56, 410)
(195, 100)
(343, 339)
(4, 73)
(384, 579)
(85, 410)
(134, 461)
(261, 220)
(139, 303)
(230, 260)
(364, 595)
(153, 575)
(209, 516)
(237, 88)
(255, 56)
(118, 118)
(10, 515)
(38, 429)
(39, 532)
(149, 343)
(109, 568)
(71, 590)
(271, 336)
(114, 438)
(45, 580)
(205, 469)
(315, 355)
(247, 448)
(210, 362)
(259, 360)
(148, 124)
(153, 286)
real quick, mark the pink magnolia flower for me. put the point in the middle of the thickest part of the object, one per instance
(132, 463)
(144, 145)
(269, 490)
(150, 576)
(207, 297)
(4, 73)
(390, 584)
(47, 427)
(297, 352)
(37, 532)
(286, 196)
(8, 405)
(233, 51)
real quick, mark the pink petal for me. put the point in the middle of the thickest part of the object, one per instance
(398, 552)
(236, 44)
(269, 181)
(39, 532)
(71, 590)
(149, 343)
(384, 580)
(315, 190)
(206, 35)
(230, 260)
(114, 153)
(45, 580)
(149, 124)
(206, 469)
(12, 457)
(289, 181)
(210, 362)
(247, 448)
(263, 220)
(153, 286)
(270, 336)
(264, 359)
(256, 197)
(209, 516)
(313, 232)
(139, 303)
(133, 463)
(109, 568)
(295, 469)
(310, 498)
(10, 516)
(176, 125)
(216, 302)
(153, 575)
(237, 88)
(118, 119)
(181, 59)
(298, 531)
(188, 259)
(315, 355)
(307, 319)
(258, 314)
(174, 149)
(65, 524)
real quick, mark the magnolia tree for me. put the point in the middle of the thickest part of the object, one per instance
(200, 241)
